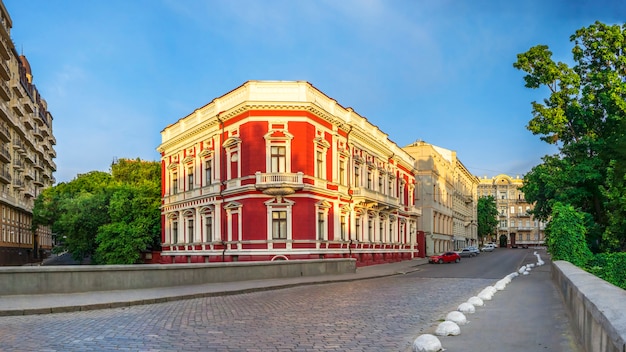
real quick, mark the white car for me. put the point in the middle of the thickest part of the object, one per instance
(488, 248)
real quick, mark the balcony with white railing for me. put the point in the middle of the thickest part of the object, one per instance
(279, 183)
(366, 195)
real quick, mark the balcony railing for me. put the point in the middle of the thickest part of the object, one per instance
(279, 183)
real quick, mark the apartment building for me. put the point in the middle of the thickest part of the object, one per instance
(277, 170)
(26, 154)
(516, 226)
(446, 193)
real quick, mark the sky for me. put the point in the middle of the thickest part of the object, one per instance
(115, 73)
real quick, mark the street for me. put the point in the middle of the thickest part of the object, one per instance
(384, 314)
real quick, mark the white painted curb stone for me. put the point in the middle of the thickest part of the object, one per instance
(448, 328)
(427, 343)
(457, 317)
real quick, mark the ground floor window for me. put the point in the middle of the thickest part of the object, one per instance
(279, 225)
(174, 233)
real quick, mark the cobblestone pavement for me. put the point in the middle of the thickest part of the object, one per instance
(384, 314)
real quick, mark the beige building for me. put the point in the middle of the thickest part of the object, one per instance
(445, 192)
(516, 227)
(26, 153)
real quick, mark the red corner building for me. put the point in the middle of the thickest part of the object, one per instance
(278, 170)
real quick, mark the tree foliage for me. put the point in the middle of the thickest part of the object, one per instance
(565, 235)
(110, 217)
(487, 214)
(585, 116)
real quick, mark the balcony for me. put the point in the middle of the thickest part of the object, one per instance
(4, 49)
(37, 133)
(38, 181)
(4, 91)
(5, 176)
(28, 105)
(29, 192)
(279, 184)
(5, 154)
(53, 140)
(17, 108)
(377, 199)
(4, 70)
(5, 135)
(28, 122)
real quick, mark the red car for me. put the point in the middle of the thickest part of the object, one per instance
(447, 257)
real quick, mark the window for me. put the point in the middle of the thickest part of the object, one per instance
(319, 163)
(380, 184)
(357, 177)
(369, 179)
(512, 223)
(174, 233)
(208, 172)
(370, 230)
(380, 230)
(342, 172)
(390, 187)
(321, 225)
(190, 178)
(343, 227)
(279, 225)
(513, 210)
(190, 230)
(174, 189)
(208, 228)
(278, 159)
(357, 228)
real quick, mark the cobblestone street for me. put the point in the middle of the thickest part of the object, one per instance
(384, 314)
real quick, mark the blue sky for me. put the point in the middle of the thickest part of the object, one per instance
(116, 72)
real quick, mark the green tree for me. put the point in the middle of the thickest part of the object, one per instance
(584, 115)
(565, 235)
(134, 227)
(487, 214)
(110, 217)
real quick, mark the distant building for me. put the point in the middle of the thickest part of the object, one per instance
(278, 170)
(446, 193)
(516, 226)
(26, 154)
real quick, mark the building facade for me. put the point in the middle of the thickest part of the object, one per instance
(445, 193)
(516, 226)
(26, 154)
(278, 170)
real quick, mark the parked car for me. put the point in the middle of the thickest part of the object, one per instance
(487, 248)
(474, 249)
(493, 244)
(466, 252)
(447, 257)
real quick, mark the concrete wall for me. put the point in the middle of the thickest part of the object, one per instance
(68, 279)
(597, 308)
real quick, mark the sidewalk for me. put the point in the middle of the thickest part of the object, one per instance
(527, 316)
(58, 303)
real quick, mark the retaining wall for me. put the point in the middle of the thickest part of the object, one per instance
(85, 278)
(597, 308)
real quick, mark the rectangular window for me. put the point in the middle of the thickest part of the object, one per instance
(321, 224)
(208, 228)
(380, 184)
(190, 230)
(190, 178)
(343, 228)
(174, 232)
(370, 230)
(278, 159)
(401, 194)
(357, 228)
(319, 162)
(279, 225)
(390, 188)
(342, 172)
(208, 172)
(369, 179)
(512, 210)
(174, 189)
(357, 177)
